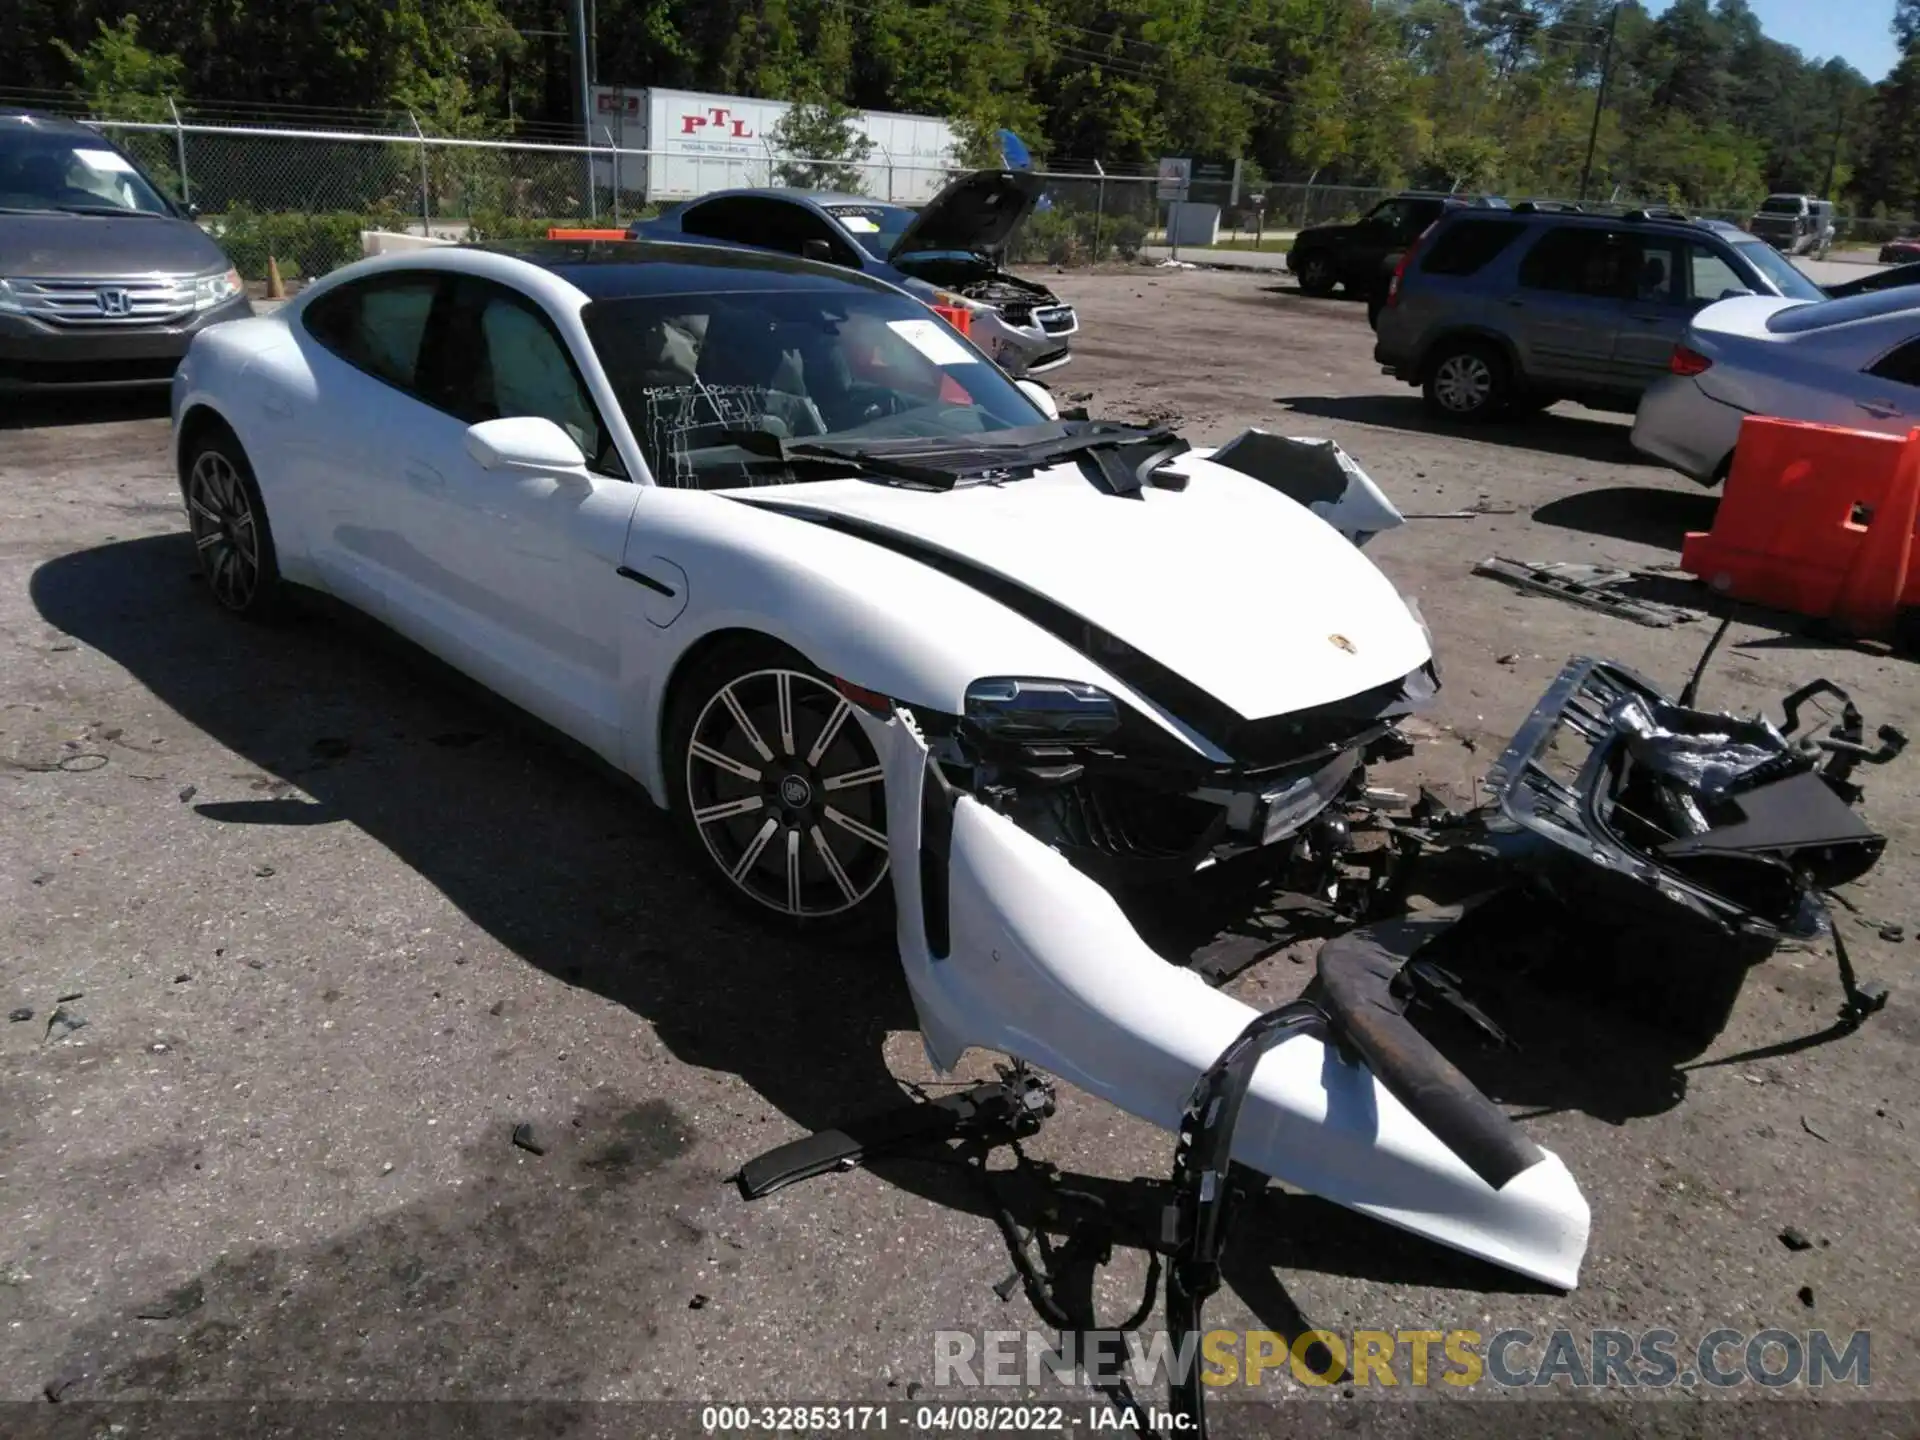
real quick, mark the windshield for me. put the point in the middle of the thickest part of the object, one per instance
(40, 171)
(694, 372)
(1780, 205)
(878, 228)
(1785, 276)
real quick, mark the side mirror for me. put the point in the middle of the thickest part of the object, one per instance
(528, 443)
(190, 210)
(816, 250)
(1041, 396)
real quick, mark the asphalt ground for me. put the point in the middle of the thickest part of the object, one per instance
(329, 925)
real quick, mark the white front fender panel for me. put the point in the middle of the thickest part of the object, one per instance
(1024, 954)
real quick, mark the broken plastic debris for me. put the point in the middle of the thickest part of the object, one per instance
(1710, 763)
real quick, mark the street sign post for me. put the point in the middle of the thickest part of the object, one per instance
(1176, 175)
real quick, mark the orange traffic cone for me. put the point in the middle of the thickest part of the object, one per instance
(275, 289)
(1869, 598)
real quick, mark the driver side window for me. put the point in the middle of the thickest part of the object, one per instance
(497, 355)
(1712, 277)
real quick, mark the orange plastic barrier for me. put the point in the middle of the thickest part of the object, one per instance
(560, 232)
(1816, 519)
(955, 315)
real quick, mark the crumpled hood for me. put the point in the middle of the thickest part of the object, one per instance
(57, 246)
(1231, 585)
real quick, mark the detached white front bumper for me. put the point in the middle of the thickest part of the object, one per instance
(1006, 946)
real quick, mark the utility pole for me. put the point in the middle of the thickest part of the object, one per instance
(1599, 100)
(582, 70)
(1833, 155)
(586, 100)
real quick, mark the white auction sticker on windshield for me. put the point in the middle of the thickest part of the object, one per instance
(105, 161)
(933, 340)
(860, 224)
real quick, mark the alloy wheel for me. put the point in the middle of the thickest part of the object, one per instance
(786, 793)
(226, 531)
(1463, 383)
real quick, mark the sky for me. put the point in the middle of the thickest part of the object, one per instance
(1858, 31)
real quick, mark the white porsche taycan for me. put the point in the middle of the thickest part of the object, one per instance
(772, 539)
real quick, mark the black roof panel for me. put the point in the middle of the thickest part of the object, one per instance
(617, 269)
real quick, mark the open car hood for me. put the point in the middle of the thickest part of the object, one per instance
(975, 213)
(1236, 588)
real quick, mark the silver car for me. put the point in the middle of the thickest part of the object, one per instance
(1852, 362)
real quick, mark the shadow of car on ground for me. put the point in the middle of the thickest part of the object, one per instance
(1572, 433)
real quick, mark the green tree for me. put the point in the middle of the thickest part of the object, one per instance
(120, 78)
(810, 138)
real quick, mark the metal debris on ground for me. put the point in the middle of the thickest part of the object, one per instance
(1594, 587)
(175, 1304)
(65, 1021)
(1469, 512)
(525, 1139)
(23, 1012)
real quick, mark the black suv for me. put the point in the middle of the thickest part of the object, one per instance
(1359, 255)
(1493, 314)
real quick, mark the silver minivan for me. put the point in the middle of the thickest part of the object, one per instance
(104, 281)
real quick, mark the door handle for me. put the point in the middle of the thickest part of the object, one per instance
(1649, 319)
(423, 477)
(1516, 304)
(1879, 409)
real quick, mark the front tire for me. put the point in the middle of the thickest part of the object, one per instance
(228, 520)
(1468, 381)
(777, 788)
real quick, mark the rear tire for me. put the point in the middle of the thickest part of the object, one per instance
(776, 788)
(1317, 275)
(1468, 380)
(228, 521)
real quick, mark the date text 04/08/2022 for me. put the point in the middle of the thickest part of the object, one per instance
(970, 1419)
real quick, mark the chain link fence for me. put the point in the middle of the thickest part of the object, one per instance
(302, 196)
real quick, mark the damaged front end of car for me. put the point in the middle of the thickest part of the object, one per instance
(1009, 945)
(1129, 804)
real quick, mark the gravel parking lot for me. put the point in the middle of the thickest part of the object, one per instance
(307, 927)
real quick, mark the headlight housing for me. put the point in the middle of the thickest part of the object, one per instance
(1024, 710)
(212, 290)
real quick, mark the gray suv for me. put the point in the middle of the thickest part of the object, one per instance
(103, 280)
(1496, 314)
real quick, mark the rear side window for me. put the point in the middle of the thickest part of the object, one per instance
(1900, 365)
(732, 217)
(377, 324)
(1465, 246)
(1580, 261)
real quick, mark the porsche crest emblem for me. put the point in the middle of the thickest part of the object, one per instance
(1341, 642)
